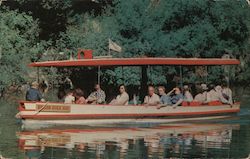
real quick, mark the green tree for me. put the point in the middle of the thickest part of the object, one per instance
(18, 44)
(183, 28)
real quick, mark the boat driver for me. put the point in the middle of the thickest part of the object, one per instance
(34, 94)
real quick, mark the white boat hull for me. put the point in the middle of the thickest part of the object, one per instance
(60, 113)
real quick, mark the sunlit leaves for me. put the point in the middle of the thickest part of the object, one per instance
(18, 33)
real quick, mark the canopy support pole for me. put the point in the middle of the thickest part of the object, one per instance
(144, 80)
(150, 74)
(122, 75)
(181, 78)
(206, 74)
(38, 75)
(99, 75)
(228, 78)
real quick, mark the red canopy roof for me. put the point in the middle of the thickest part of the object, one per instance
(136, 62)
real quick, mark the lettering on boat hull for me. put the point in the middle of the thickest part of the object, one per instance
(53, 108)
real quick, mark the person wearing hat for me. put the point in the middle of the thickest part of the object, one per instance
(202, 95)
(33, 94)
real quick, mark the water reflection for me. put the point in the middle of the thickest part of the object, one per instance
(161, 141)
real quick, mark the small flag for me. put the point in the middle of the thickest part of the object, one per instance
(115, 47)
(248, 1)
(1, 1)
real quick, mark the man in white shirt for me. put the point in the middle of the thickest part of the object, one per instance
(152, 98)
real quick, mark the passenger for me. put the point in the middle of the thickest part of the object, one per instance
(215, 94)
(164, 98)
(122, 98)
(67, 83)
(212, 95)
(227, 93)
(222, 99)
(69, 98)
(202, 95)
(177, 97)
(61, 95)
(34, 94)
(134, 100)
(187, 95)
(78, 93)
(98, 96)
(151, 98)
(44, 86)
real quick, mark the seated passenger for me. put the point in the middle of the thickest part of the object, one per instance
(122, 98)
(227, 92)
(164, 98)
(177, 97)
(151, 98)
(78, 94)
(202, 94)
(98, 96)
(222, 99)
(212, 95)
(34, 94)
(61, 95)
(69, 98)
(187, 95)
(215, 94)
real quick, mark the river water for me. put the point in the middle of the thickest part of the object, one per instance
(228, 138)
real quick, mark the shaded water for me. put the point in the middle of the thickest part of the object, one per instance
(216, 139)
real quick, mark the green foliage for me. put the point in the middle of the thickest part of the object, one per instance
(180, 28)
(18, 43)
(49, 4)
(183, 28)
